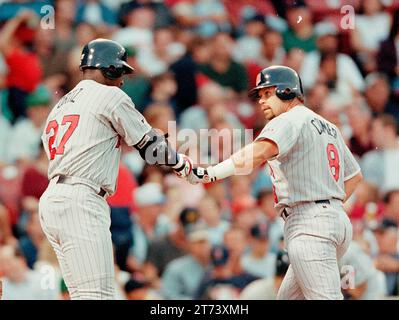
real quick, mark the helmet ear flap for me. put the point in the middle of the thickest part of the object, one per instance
(111, 72)
(285, 93)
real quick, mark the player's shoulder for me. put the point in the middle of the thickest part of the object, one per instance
(94, 85)
(113, 95)
(295, 117)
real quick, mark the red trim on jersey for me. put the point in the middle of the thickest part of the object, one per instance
(273, 187)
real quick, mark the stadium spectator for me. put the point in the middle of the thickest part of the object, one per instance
(223, 69)
(34, 182)
(30, 243)
(379, 165)
(206, 17)
(336, 70)
(388, 257)
(5, 128)
(388, 57)
(272, 51)
(186, 72)
(378, 96)
(6, 236)
(138, 32)
(367, 205)
(299, 35)
(359, 120)
(275, 223)
(19, 282)
(222, 282)
(65, 17)
(248, 46)
(183, 275)
(368, 283)
(372, 26)
(140, 289)
(196, 117)
(24, 69)
(266, 289)
(148, 222)
(94, 12)
(245, 213)
(160, 115)
(122, 205)
(163, 89)
(258, 260)
(26, 134)
(171, 246)
(163, 16)
(54, 73)
(210, 213)
(391, 212)
(236, 243)
(138, 86)
(155, 59)
(84, 34)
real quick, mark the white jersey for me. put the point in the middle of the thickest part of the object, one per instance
(313, 160)
(83, 131)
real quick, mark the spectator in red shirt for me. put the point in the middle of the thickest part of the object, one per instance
(25, 73)
(122, 205)
(34, 182)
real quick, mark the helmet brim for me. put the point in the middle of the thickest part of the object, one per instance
(253, 93)
(128, 68)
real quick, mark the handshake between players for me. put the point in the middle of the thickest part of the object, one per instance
(193, 174)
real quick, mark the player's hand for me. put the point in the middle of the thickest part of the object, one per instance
(201, 175)
(187, 167)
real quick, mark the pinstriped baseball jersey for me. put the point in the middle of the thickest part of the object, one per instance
(83, 132)
(313, 160)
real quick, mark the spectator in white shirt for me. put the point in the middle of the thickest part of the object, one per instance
(20, 283)
(328, 66)
(26, 133)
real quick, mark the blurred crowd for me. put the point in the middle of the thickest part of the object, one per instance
(195, 61)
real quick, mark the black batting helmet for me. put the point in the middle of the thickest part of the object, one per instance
(106, 55)
(286, 80)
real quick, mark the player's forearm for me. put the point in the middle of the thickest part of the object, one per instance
(243, 161)
(350, 185)
(251, 156)
(155, 150)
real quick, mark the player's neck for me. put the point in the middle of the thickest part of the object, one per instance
(293, 104)
(93, 75)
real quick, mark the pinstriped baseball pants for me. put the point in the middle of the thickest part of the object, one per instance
(76, 221)
(316, 237)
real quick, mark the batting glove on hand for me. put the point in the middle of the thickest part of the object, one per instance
(201, 175)
(185, 168)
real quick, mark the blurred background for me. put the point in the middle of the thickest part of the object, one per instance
(195, 61)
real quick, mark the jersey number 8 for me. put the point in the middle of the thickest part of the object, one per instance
(53, 125)
(333, 160)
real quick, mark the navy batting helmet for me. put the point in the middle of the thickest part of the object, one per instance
(287, 82)
(106, 55)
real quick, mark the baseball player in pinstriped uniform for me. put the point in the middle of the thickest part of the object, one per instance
(82, 141)
(313, 173)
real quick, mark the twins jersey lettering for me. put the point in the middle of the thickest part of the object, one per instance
(313, 160)
(83, 133)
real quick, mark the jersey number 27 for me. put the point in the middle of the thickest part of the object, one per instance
(73, 121)
(333, 160)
